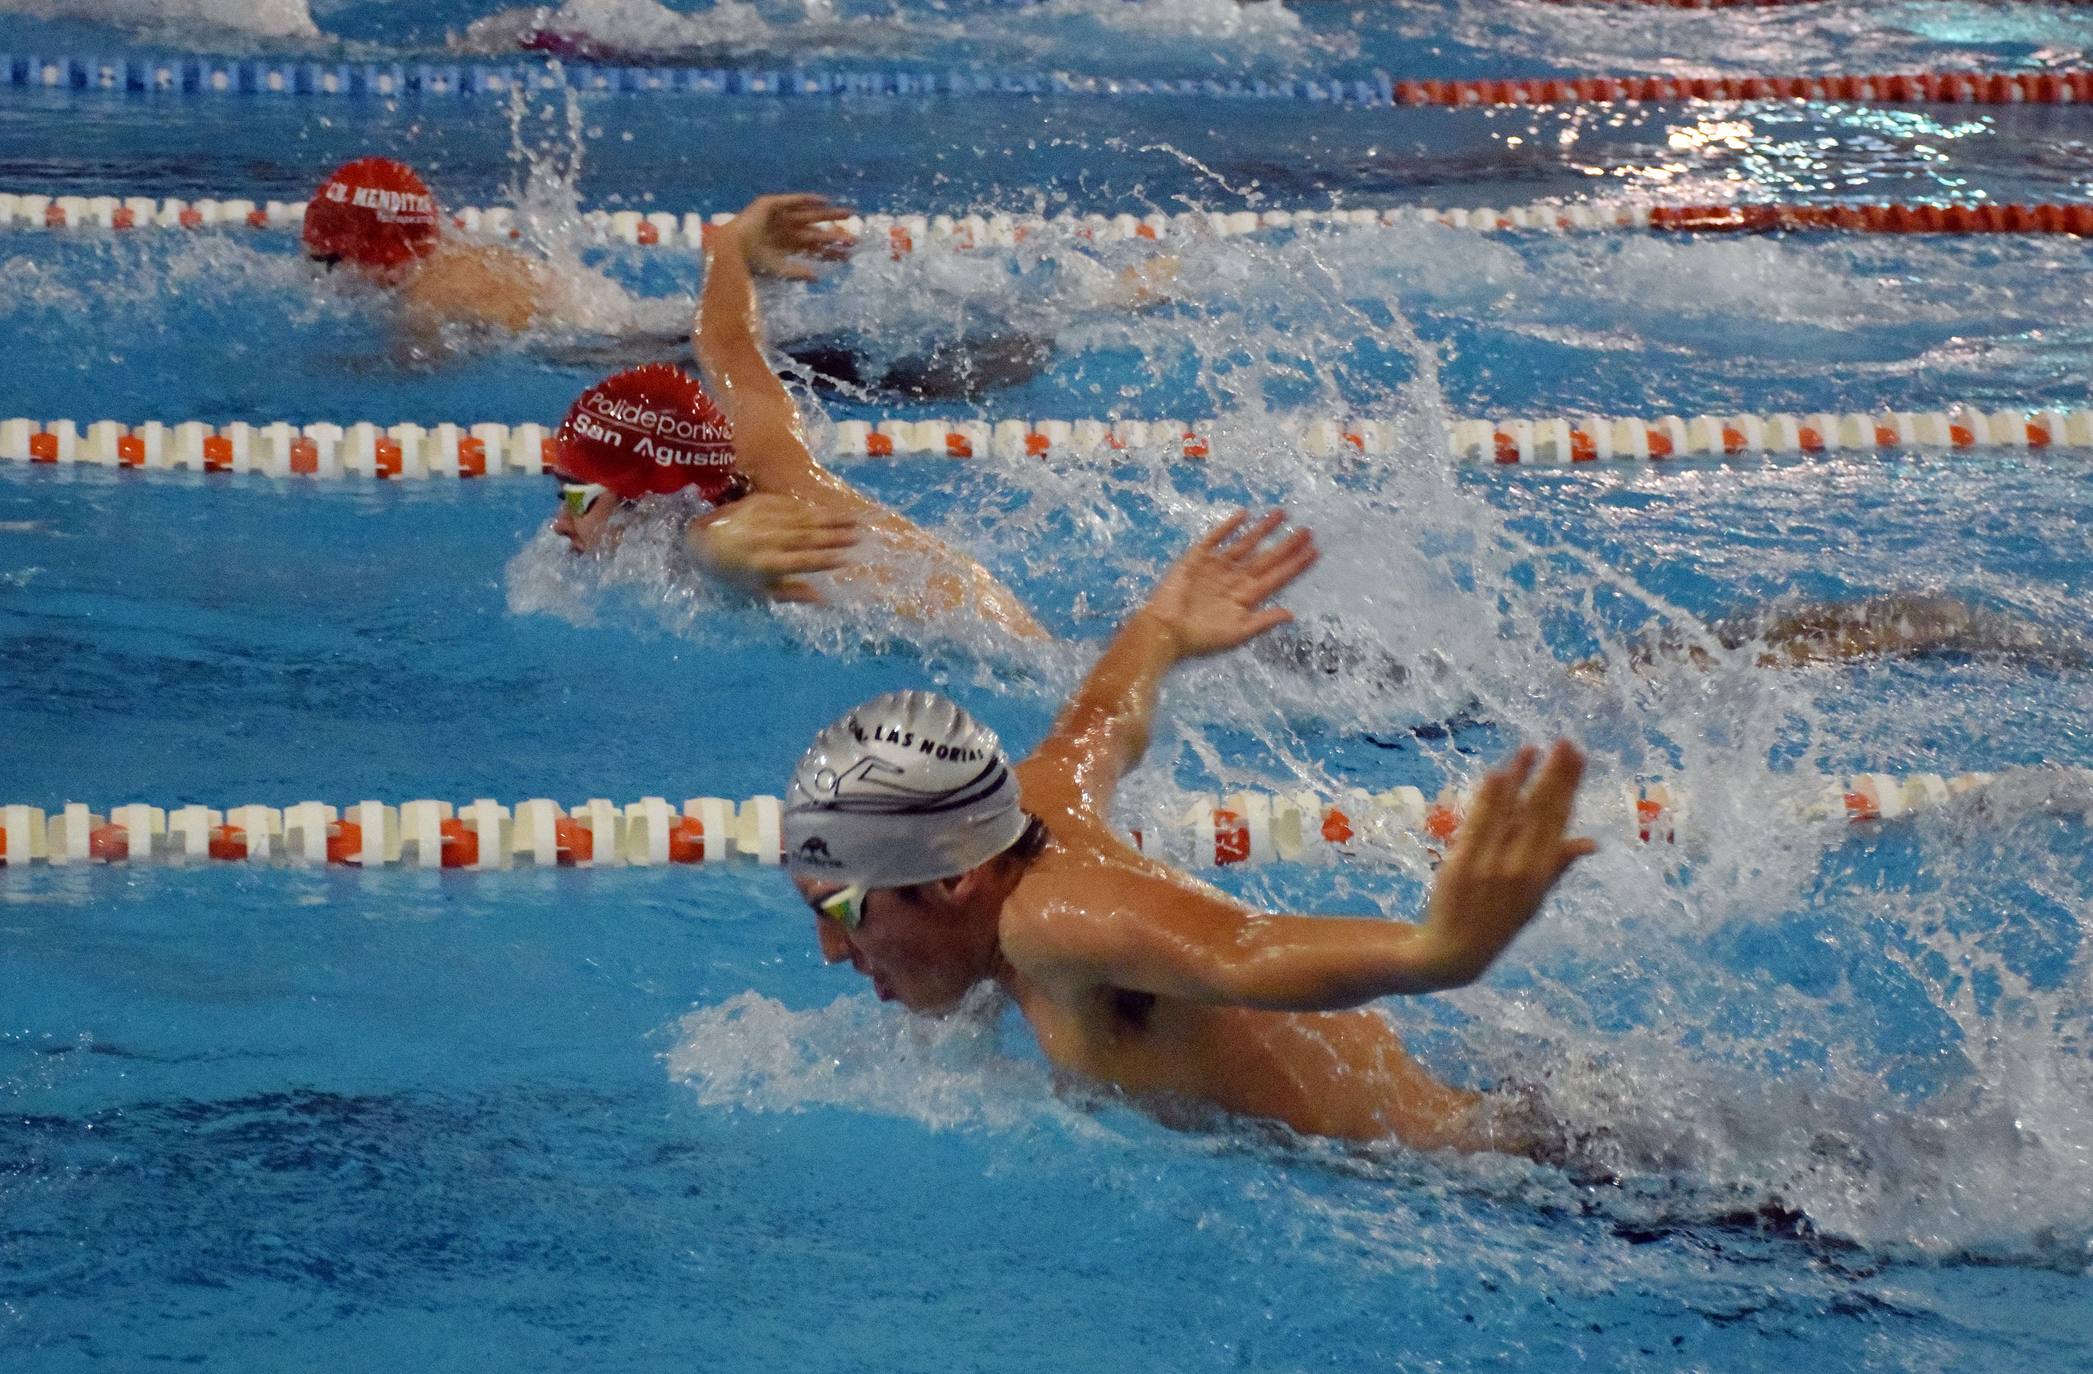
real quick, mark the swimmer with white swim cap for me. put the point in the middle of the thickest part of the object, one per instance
(934, 865)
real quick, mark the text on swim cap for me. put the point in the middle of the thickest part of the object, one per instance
(888, 734)
(646, 446)
(665, 423)
(390, 205)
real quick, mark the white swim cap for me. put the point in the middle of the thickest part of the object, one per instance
(907, 788)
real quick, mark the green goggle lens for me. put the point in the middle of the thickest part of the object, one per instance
(845, 908)
(578, 497)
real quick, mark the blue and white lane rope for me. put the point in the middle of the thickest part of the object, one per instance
(447, 80)
(1245, 827)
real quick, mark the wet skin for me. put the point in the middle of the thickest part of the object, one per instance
(1137, 976)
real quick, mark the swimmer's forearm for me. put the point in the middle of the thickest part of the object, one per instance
(769, 448)
(1109, 717)
(727, 333)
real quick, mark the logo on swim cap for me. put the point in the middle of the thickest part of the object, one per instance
(648, 431)
(908, 788)
(373, 213)
(813, 853)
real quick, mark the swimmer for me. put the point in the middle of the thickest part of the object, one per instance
(378, 217)
(776, 515)
(1905, 626)
(934, 866)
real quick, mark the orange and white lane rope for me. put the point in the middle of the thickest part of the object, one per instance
(1551, 441)
(908, 233)
(409, 452)
(2071, 87)
(282, 449)
(1240, 828)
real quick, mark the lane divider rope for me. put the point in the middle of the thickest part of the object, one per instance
(1239, 828)
(387, 80)
(906, 233)
(412, 452)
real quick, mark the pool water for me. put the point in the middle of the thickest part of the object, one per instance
(260, 1118)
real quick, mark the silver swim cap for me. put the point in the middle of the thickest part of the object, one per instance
(907, 788)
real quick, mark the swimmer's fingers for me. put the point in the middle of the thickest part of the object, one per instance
(1492, 813)
(1244, 546)
(1545, 813)
(784, 562)
(797, 206)
(1571, 851)
(811, 207)
(1272, 571)
(1266, 620)
(816, 537)
(832, 245)
(1220, 534)
(829, 245)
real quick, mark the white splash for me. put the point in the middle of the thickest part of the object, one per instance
(752, 1053)
(261, 18)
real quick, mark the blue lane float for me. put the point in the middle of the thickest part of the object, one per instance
(264, 77)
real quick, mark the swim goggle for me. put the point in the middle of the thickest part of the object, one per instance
(580, 497)
(845, 907)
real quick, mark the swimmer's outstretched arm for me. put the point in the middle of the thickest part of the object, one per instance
(1211, 600)
(1150, 932)
(771, 236)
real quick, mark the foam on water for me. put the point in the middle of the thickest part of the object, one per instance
(1888, 1035)
(950, 1073)
(1705, 1017)
(178, 18)
(1050, 32)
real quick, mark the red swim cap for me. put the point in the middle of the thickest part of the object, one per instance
(373, 212)
(648, 431)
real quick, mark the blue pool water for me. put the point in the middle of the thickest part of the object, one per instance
(264, 1118)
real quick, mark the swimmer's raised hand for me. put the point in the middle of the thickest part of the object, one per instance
(776, 232)
(1213, 598)
(1511, 849)
(768, 544)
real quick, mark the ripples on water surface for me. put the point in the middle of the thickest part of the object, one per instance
(626, 1120)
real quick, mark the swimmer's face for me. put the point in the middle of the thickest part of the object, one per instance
(907, 942)
(588, 529)
(332, 264)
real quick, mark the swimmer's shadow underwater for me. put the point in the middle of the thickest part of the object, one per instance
(966, 367)
(1908, 627)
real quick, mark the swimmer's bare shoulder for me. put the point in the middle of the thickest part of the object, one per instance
(1090, 899)
(476, 285)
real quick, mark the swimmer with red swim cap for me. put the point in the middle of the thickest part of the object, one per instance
(379, 218)
(778, 519)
